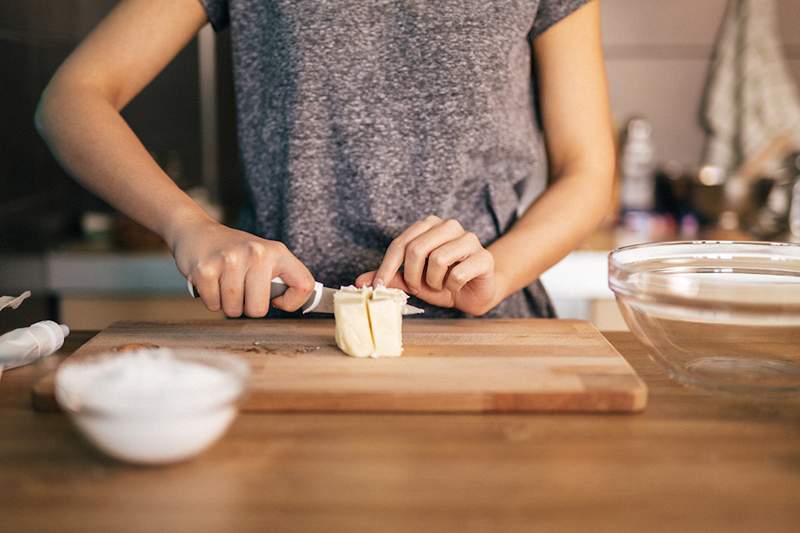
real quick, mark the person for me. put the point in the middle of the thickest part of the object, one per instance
(382, 143)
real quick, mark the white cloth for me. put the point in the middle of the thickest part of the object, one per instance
(13, 301)
(750, 97)
(23, 346)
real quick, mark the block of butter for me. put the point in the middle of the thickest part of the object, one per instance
(369, 322)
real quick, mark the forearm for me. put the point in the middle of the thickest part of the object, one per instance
(576, 120)
(95, 145)
(552, 227)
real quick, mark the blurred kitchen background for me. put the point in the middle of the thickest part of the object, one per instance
(677, 69)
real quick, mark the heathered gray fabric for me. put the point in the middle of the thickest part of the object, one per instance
(357, 118)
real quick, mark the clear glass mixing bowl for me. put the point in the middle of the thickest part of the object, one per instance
(720, 315)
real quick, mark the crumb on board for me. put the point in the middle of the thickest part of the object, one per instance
(261, 347)
(133, 346)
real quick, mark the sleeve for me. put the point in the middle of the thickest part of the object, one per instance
(217, 12)
(552, 11)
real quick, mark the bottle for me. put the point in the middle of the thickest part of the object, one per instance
(637, 167)
(794, 201)
(794, 212)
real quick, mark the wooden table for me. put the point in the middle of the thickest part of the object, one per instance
(691, 462)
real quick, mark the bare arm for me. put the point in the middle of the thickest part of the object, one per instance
(577, 122)
(78, 116)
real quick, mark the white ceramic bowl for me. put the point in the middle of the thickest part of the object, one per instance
(149, 433)
(716, 314)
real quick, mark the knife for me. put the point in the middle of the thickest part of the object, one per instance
(320, 301)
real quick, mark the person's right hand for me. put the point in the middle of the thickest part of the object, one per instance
(232, 269)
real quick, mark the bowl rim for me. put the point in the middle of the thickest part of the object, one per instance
(660, 287)
(241, 372)
(657, 244)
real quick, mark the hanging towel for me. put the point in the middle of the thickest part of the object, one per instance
(750, 98)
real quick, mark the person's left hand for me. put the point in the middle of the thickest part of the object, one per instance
(443, 264)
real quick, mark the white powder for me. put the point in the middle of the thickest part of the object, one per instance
(147, 382)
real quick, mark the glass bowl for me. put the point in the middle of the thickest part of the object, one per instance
(151, 416)
(720, 315)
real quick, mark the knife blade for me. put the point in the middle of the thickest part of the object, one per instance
(320, 301)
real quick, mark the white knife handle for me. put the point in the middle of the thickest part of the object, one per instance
(313, 302)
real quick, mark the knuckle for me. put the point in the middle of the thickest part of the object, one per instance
(438, 260)
(256, 249)
(230, 258)
(459, 277)
(432, 218)
(452, 223)
(306, 286)
(414, 250)
(278, 247)
(205, 272)
(473, 237)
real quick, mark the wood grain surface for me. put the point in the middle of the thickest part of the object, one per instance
(447, 365)
(692, 462)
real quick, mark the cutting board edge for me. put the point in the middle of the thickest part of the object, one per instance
(600, 401)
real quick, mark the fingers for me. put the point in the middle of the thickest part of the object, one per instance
(448, 255)
(396, 252)
(206, 280)
(442, 264)
(366, 279)
(256, 290)
(231, 284)
(418, 250)
(477, 265)
(299, 280)
(237, 278)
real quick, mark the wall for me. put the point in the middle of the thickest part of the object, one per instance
(657, 56)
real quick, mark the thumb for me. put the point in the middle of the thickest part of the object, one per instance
(365, 279)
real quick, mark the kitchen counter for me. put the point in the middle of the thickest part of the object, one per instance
(691, 462)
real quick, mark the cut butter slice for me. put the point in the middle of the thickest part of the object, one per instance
(369, 322)
(353, 332)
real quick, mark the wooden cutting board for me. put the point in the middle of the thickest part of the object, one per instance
(467, 365)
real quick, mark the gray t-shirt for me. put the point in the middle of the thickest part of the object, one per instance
(357, 118)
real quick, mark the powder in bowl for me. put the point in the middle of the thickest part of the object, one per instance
(152, 406)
